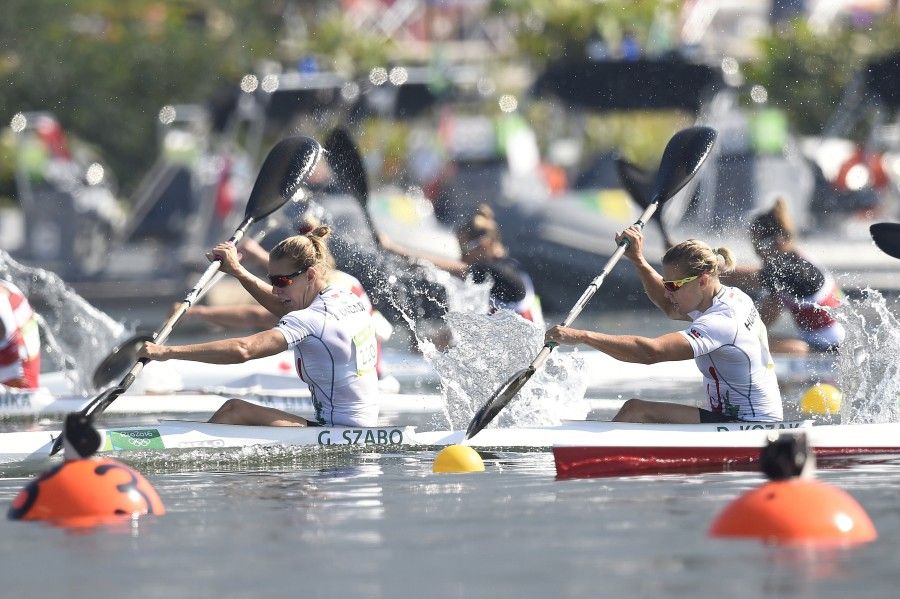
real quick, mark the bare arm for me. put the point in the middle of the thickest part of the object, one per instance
(653, 287)
(628, 348)
(650, 279)
(256, 287)
(226, 351)
(254, 252)
(235, 317)
(457, 268)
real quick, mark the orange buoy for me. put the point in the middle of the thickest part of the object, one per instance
(86, 492)
(796, 511)
(794, 508)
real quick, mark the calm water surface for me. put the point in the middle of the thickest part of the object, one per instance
(383, 525)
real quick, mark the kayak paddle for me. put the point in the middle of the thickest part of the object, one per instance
(887, 237)
(682, 158)
(639, 185)
(346, 161)
(114, 365)
(281, 176)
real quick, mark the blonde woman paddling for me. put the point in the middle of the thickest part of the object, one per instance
(726, 338)
(329, 329)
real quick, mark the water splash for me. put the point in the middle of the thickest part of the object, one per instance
(868, 365)
(76, 335)
(487, 350)
(483, 350)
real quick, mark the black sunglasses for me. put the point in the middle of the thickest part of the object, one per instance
(285, 280)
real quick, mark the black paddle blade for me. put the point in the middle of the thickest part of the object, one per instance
(119, 361)
(682, 158)
(81, 438)
(639, 185)
(81, 435)
(347, 163)
(287, 166)
(498, 401)
(887, 237)
(636, 181)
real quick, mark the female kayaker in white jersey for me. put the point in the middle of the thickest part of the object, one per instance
(794, 282)
(329, 329)
(726, 338)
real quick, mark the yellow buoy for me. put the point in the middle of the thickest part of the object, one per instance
(821, 399)
(458, 458)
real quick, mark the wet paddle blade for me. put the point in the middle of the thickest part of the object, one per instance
(104, 397)
(498, 401)
(285, 169)
(684, 155)
(887, 237)
(119, 361)
(636, 181)
(347, 163)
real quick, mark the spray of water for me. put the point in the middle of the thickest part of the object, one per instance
(473, 352)
(76, 335)
(868, 366)
(489, 348)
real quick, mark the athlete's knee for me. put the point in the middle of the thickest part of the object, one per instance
(630, 409)
(232, 405)
(229, 410)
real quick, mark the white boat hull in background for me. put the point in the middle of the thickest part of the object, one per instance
(604, 375)
(409, 408)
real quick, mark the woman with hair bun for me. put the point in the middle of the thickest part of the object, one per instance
(791, 281)
(726, 338)
(250, 316)
(483, 255)
(329, 329)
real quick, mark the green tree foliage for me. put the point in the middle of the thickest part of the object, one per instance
(806, 73)
(105, 67)
(351, 50)
(552, 29)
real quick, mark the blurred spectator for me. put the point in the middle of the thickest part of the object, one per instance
(483, 256)
(20, 342)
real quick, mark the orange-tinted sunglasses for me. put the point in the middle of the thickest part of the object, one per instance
(677, 284)
(285, 280)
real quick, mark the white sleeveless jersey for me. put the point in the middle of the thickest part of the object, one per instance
(335, 348)
(731, 349)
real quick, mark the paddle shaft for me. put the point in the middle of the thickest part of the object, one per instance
(506, 393)
(97, 407)
(596, 283)
(220, 275)
(593, 287)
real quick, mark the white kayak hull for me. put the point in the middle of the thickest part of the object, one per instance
(33, 446)
(619, 448)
